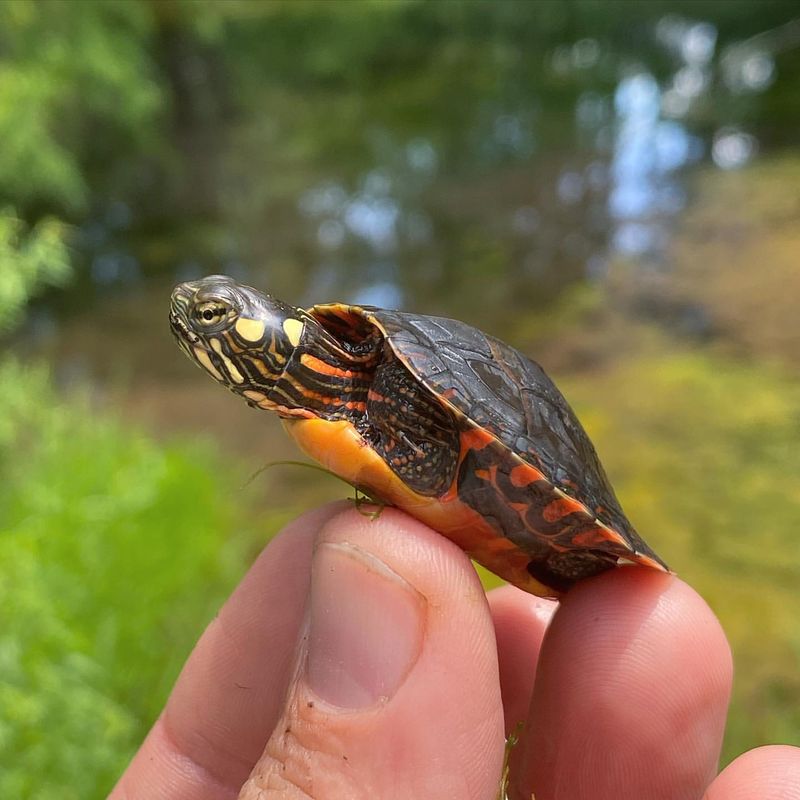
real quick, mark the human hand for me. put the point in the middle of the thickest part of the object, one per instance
(360, 659)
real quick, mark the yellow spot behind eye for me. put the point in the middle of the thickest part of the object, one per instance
(205, 362)
(229, 365)
(251, 330)
(294, 329)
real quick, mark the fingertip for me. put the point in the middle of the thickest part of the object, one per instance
(634, 663)
(657, 610)
(419, 553)
(654, 641)
(765, 773)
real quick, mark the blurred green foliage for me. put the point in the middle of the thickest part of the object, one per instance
(741, 219)
(114, 552)
(29, 260)
(78, 88)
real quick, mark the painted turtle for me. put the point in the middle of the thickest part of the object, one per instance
(449, 424)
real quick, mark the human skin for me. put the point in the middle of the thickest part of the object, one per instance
(361, 658)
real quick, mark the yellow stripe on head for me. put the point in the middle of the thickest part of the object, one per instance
(236, 376)
(205, 362)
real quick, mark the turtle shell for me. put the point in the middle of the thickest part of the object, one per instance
(507, 395)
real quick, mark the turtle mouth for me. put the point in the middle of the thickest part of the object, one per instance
(180, 330)
(179, 305)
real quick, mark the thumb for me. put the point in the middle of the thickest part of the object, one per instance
(396, 692)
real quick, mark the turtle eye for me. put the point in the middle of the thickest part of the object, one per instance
(211, 312)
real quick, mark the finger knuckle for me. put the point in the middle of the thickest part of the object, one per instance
(304, 760)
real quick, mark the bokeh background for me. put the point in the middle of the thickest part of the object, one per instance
(613, 187)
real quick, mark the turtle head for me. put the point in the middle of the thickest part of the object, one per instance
(242, 337)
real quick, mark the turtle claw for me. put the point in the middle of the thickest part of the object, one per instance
(362, 499)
